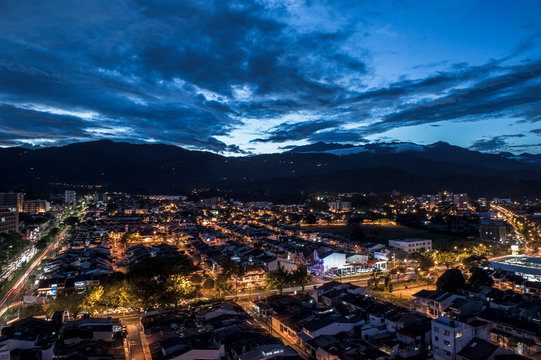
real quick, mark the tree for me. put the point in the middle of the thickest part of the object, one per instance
(300, 277)
(208, 283)
(310, 219)
(424, 260)
(196, 279)
(222, 284)
(480, 277)
(178, 287)
(451, 280)
(387, 281)
(446, 258)
(474, 261)
(93, 299)
(70, 303)
(277, 279)
(72, 221)
(398, 270)
(373, 282)
(230, 268)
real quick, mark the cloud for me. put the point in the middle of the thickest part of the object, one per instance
(495, 93)
(166, 70)
(188, 73)
(494, 144)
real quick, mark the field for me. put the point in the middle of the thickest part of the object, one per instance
(380, 233)
(402, 295)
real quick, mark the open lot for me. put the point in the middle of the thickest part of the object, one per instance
(382, 232)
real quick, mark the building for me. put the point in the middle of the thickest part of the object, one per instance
(252, 277)
(481, 349)
(520, 335)
(432, 303)
(35, 206)
(427, 201)
(70, 197)
(492, 230)
(29, 338)
(527, 267)
(285, 264)
(9, 219)
(339, 206)
(449, 337)
(460, 201)
(411, 245)
(12, 199)
(333, 260)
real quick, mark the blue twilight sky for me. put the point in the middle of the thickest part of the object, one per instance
(261, 76)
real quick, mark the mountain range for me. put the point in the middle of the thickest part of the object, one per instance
(319, 167)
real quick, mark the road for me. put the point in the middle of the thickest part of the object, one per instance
(15, 265)
(15, 290)
(135, 348)
(524, 238)
(359, 282)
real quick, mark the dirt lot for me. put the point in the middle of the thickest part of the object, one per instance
(382, 232)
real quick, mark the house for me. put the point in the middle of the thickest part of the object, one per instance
(29, 338)
(192, 347)
(481, 349)
(415, 338)
(520, 335)
(432, 303)
(285, 264)
(450, 336)
(252, 277)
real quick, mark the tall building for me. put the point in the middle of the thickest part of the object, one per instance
(70, 197)
(36, 206)
(492, 230)
(9, 219)
(338, 206)
(460, 201)
(12, 199)
(427, 201)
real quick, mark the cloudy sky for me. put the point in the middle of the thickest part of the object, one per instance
(253, 77)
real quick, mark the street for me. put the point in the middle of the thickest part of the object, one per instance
(12, 294)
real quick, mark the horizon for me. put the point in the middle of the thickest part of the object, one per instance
(260, 77)
(236, 154)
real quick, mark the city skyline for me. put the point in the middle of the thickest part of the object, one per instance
(261, 77)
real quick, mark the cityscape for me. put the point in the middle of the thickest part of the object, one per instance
(116, 275)
(270, 180)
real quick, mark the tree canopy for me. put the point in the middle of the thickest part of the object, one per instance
(451, 280)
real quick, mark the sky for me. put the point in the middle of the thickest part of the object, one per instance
(253, 77)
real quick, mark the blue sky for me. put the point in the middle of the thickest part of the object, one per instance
(261, 76)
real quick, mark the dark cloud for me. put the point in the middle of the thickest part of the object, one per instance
(494, 144)
(166, 70)
(514, 91)
(313, 131)
(189, 73)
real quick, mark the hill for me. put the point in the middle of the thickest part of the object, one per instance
(158, 168)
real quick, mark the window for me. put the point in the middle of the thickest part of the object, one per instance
(436, 338)
(446, 332)
(436, 329)
(446, 343)
(448, 353)
(458, 334)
